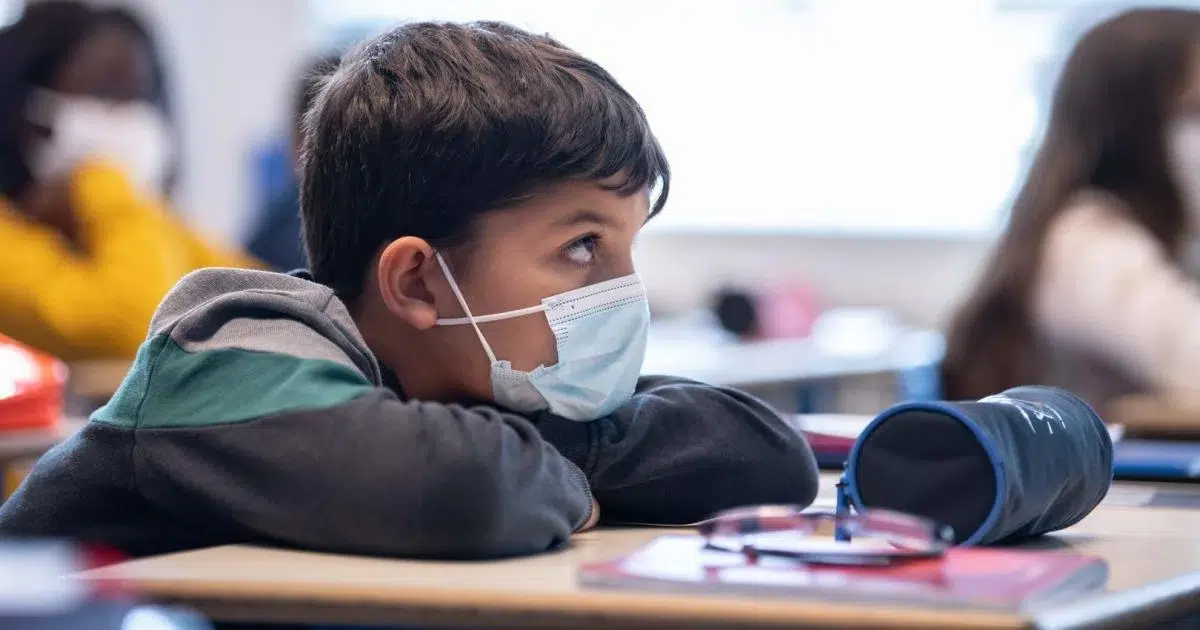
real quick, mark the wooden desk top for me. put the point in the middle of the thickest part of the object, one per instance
(1154, 558)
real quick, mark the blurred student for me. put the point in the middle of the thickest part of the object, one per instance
(460, 374)
(86, 247)
(1089, 287)
(276, 238)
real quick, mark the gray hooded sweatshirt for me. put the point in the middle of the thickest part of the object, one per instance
(255, 413)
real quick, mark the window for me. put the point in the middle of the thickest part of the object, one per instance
(879, 116)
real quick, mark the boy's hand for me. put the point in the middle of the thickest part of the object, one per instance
(592, 520)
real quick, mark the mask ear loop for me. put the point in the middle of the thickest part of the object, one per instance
(463, 303)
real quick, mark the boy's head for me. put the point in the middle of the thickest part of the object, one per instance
(307, 86)
(525, 165)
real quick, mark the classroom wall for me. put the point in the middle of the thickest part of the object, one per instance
(234, 60)
(921, 279)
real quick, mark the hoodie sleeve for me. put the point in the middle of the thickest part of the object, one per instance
(269, 447)
(679, 451)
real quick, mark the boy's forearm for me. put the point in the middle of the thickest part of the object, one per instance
(680, 450)
(376, 476)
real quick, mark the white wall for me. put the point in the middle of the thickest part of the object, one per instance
(922, 280)
(233, 63)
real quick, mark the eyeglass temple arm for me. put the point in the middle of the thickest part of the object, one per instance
(841, 509)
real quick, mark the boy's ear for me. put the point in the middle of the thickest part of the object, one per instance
(403, 267)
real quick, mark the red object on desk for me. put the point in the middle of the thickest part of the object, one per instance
(986, 578)
(31, 388)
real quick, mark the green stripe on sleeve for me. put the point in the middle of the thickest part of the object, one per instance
(122, 409)
(227, 385)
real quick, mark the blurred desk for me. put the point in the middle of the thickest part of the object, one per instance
(16, 445)
(19, 449)
(806, 374)
(1153, 553)
(1156, 416)
(90, 385)
(97, 379)
(785, 361)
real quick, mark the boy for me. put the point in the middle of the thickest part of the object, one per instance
(459, 377)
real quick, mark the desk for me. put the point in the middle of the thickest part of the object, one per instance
(798, 374)
(1150, 415)
(784, 361)
(97, 380)
(90, 385)
(19, 449)
(1154, 558)
(15, 445)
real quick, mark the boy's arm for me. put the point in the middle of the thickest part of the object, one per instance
(679, 451)
(272, 448)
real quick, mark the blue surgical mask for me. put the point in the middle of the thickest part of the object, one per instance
(600, 331)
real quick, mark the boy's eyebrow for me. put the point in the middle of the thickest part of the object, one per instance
(584, 215)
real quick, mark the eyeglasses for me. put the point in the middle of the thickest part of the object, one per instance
(784, 530)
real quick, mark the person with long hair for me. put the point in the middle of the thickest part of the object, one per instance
(87, 161)
(1088, 287)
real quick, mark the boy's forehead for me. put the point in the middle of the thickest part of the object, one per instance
(568, 204)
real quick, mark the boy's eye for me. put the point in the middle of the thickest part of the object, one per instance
(582, 251)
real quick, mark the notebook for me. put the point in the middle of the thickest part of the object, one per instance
(974, 577)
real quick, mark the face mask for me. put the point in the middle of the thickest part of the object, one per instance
(600, 331)
(1183, 146)
(131, 136)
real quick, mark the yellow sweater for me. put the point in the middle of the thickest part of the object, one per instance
(99, 305)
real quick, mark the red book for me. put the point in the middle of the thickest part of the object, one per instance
(976, 577)
(831, 436)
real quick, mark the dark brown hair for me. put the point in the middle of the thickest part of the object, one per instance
(1106, 132)
(309, 84)
(427, 127)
